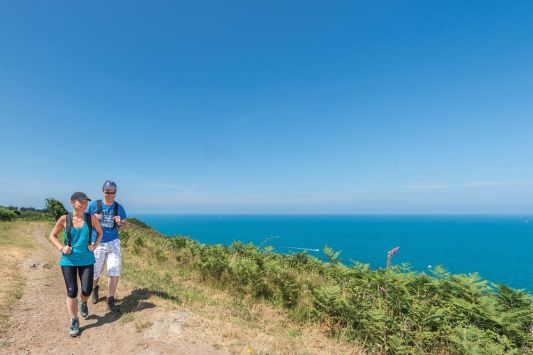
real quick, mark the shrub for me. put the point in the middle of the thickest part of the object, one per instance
(55, 208)
(7, 214)
(391, 310)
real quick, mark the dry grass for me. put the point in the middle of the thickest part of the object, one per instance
(247, 325)
(127, 317)
(16, 242)
(244, 326)
(141, 325)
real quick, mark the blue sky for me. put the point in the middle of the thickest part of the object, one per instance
(270, 107)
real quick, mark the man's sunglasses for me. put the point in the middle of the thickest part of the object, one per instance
(110, 193)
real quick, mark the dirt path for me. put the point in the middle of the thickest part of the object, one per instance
(39, 323)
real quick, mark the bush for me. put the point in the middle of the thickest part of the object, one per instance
(7, 214)
(55, 208)
(392, 310)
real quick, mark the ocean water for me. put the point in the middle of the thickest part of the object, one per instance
(499, 248)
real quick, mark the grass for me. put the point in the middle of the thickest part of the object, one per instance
(127, 317)
(286, 301)
(222, 318)
(142, 325)
(4, 344)
(13, 234)
(248, 299)
(16, 242)
(294, 332)
(239, 324)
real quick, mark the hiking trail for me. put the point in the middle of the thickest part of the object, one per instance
(39, 322)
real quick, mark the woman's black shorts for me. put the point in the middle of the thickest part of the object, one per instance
(85, 274)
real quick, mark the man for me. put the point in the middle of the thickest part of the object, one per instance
(111, 216)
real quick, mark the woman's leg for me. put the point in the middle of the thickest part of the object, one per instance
(86, 280)
(69, 274)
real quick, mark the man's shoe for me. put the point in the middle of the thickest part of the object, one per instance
(84, 310)
(74, 330)
(94, 296)
(112, 306)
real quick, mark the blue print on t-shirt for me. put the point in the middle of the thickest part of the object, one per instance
(107, 222)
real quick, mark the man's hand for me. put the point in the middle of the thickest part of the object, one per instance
(91, 247)
(119, 221)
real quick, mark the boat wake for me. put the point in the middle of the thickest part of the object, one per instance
(305, 249)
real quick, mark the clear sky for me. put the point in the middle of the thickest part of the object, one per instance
(272, 106)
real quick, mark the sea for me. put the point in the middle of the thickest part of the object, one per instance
(498, 248)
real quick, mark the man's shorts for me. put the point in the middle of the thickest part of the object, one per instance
(111, 251)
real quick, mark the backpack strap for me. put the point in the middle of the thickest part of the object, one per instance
(99, 210)
(67, 229)
(89, 221)
(115, 213)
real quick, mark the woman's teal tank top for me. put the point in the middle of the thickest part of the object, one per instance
(80, 255)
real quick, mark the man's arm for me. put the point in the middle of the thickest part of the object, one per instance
(121, 218)
(91, 209)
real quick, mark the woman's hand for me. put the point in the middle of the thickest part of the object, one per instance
(66, 249)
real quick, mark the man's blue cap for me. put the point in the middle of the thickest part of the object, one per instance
(109, 184)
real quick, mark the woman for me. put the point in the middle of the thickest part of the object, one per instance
(77, 256)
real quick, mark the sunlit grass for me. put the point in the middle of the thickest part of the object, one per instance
(16, 242)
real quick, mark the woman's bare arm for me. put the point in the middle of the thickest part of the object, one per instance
(60, 225)
(98, 229)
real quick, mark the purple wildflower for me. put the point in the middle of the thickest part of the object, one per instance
(393, 251)
(382, 290)
(390, 254)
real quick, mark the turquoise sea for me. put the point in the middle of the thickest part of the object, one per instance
(499, 248)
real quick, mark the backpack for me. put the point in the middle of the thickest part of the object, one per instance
(68, 226)
(115, 210)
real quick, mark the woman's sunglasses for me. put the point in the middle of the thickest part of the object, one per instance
(110, 193)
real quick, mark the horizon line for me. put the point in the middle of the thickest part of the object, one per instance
(338, 213)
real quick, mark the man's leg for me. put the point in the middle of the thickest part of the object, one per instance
(112, 285)
(99, 255)
(114, 265)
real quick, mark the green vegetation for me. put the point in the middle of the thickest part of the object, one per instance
(7, 214)
(10, 213)
(392, 310)
(55, 208)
